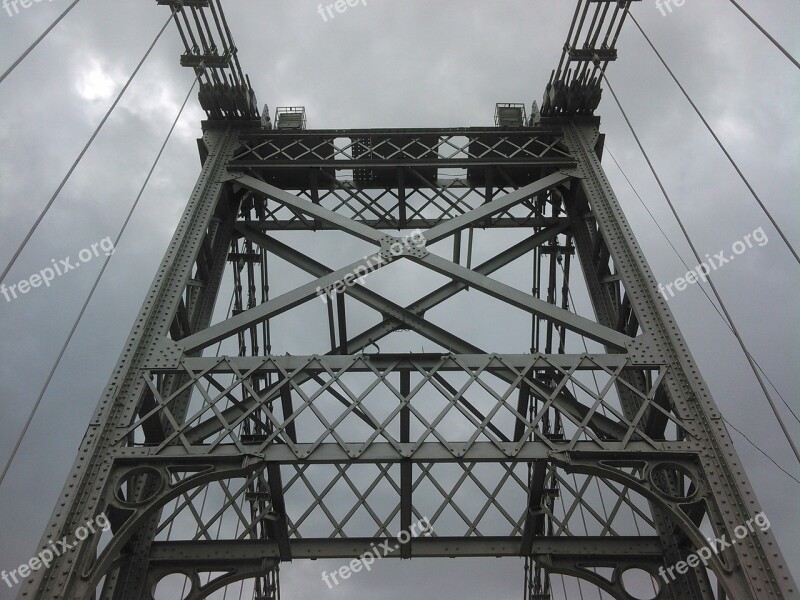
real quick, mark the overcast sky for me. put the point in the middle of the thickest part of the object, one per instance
(391, 63)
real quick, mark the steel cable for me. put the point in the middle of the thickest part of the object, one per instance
(711, 284)
(92, 291)
(721, 145)
(766, 33)
(16, 63)
(699, 284)
(80, 157)
(723, 320)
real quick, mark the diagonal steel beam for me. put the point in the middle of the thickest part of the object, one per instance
(451, 226)
(276, 306)
(203, 430)
(355, 228)
(372, 299)
(242, 321)
(514, 297)
(436, 233)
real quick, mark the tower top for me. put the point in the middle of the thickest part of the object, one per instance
(575, 86)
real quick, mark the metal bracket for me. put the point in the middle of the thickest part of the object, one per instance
(167, 354)
(592, 571)
(393, 247)
(148, 489)
(193, 567)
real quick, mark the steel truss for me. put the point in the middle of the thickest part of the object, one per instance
(220, 466)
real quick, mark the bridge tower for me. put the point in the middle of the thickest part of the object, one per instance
(535, 399)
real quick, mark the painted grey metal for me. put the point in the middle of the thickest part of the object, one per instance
(630, 547)
(176, 426)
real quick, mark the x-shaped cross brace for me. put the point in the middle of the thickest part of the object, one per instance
(506, 293)
(411, 316)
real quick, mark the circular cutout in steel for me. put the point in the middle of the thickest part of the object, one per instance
(139, 485)
(175, 586)
(640, 585)
(674, 481)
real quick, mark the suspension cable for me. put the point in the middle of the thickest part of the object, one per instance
(766, 33)
(92, 291)
(711, 284)
(80, 156)
(721, 145)
(757, 447)
(699, 284)
(14, 65)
